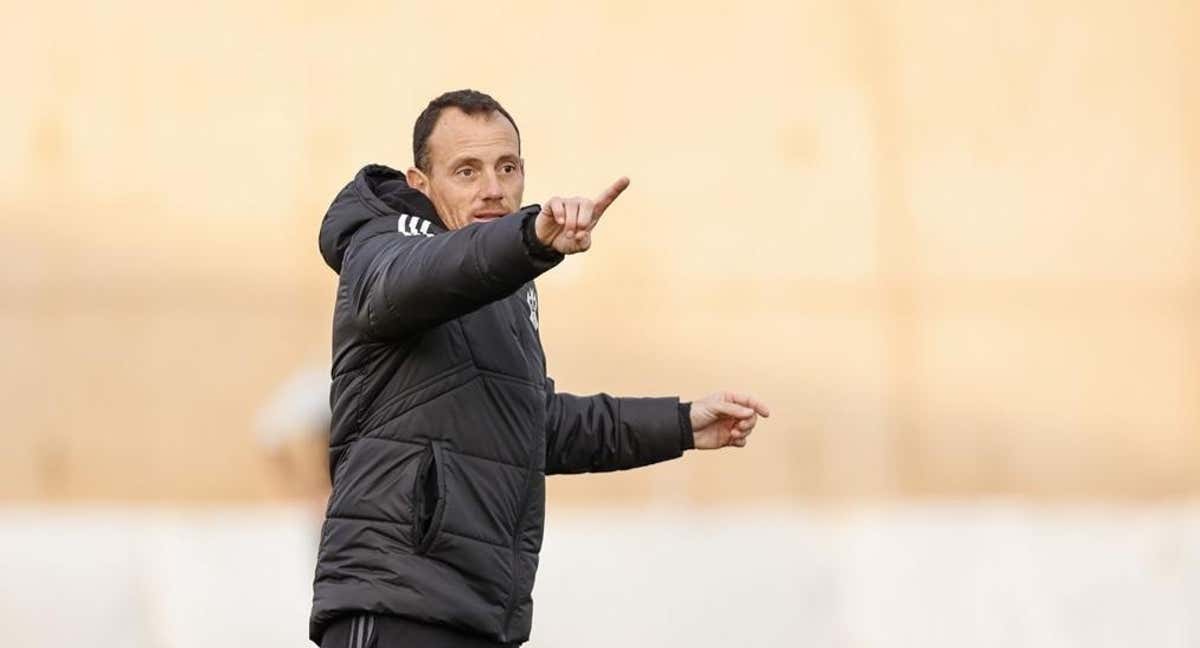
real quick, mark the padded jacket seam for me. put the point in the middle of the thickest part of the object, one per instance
(360, 518)
(366, 433)
(445, 373)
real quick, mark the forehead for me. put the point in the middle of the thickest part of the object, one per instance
(484, 135)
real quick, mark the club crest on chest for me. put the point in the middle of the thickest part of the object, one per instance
(532, 300)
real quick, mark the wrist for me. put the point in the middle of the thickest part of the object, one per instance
(687, 435)
(533, 241)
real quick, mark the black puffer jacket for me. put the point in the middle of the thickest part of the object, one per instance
(444, 422)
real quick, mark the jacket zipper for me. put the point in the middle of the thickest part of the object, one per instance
(434, 527)
(512, 594)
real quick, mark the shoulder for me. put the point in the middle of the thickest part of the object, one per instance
(388, 235)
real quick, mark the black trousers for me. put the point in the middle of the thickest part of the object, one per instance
(385, 631)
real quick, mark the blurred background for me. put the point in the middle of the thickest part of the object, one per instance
(956, 247)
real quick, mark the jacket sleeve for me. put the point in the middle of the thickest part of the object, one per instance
(602, 433)
(400, 285)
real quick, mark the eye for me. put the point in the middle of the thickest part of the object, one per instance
(509, 168)
(465, 172)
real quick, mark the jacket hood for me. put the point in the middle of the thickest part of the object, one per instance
(376, 191)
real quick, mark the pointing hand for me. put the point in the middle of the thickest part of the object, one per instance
(725, 419)
(565, 224)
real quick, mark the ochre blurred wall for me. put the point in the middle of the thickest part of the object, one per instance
(955, 246)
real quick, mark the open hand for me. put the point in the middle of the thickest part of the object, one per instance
(565, 224)
(725, 419)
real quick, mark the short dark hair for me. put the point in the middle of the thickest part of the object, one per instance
(471, 102)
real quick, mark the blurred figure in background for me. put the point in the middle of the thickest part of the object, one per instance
(293, 426)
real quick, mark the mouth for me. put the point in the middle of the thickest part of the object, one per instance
(487, 216)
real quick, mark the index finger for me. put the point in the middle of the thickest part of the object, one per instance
(751, 402)
(607, 197)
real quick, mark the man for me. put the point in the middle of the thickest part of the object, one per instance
(444, 421)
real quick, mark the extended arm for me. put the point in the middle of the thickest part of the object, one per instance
(601, 433)
(403, 284)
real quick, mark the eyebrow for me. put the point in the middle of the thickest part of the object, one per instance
(474, 161)
(465, 159)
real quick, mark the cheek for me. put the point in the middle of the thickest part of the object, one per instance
(453, 203)
(515, 190)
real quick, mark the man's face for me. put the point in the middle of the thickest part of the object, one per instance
(475, 170)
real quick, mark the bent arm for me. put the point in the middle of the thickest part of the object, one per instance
(404, 284)
(602, 433)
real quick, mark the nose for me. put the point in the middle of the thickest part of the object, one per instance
(491, 187)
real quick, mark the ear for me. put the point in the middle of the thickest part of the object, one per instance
(417, 179)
